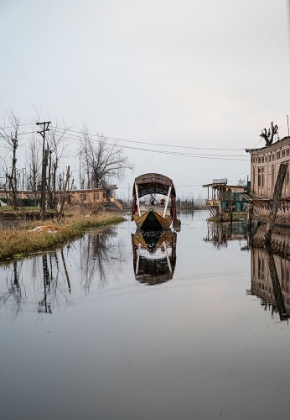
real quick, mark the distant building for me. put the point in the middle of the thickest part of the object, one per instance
(265, 163)
(90, 197)
(225, 198)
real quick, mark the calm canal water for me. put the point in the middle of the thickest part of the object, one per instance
(106, 330)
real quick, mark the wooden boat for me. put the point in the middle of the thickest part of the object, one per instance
(154, 214)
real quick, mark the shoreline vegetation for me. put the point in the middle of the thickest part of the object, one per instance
(36, 236)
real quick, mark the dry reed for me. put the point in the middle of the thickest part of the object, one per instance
(24, 240)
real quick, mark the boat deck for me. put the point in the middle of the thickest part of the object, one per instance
(158, 209)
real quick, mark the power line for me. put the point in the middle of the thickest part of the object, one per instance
(18, 125)
(229, 157)
(148, 143)
(203, 156)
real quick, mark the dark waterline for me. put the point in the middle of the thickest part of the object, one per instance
(84, 338)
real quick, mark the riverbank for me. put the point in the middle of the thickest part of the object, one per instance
(32, 237)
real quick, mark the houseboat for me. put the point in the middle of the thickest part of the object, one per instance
(154, 202)
(225, 198)
(265, 163)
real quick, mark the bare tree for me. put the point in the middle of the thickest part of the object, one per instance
(9, 133)
(268, 135)
(102, 160)
(241, 182)
(34, 164)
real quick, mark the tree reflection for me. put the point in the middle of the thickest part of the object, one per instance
(14, 290)
(100, 257)
(46, 281)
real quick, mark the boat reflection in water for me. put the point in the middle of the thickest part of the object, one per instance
(270, 269)
(154, 256)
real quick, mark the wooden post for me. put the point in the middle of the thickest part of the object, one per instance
(221, 218)
(231, 212)
(276, 200)
(167, 200)
(250, 215)
(137, 198)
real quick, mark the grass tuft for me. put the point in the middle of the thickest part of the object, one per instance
(22, 241)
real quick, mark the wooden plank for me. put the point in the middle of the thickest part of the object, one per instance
(276, 201)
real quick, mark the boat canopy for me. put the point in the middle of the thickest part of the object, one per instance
(153, 184)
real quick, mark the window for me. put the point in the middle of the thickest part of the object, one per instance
(273, 176)
(278, 155)
(287, 152)
(269, 158)
(83, 196)
(283, 153)
(261, 176)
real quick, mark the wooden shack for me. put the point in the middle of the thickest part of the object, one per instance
(223, 197)
(87, 197)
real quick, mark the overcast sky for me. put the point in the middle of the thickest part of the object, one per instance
(197, 73)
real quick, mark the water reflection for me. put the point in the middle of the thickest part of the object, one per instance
(105, 346)
(154, 256)
(45, 304)
(13, 289)
(220, 233)
(53, 279)
(270, 270)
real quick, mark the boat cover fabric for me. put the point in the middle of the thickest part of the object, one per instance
(153, 183)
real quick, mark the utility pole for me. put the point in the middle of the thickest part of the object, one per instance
(44, 164)
(13, 177)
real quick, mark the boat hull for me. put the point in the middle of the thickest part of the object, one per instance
(151, 220)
